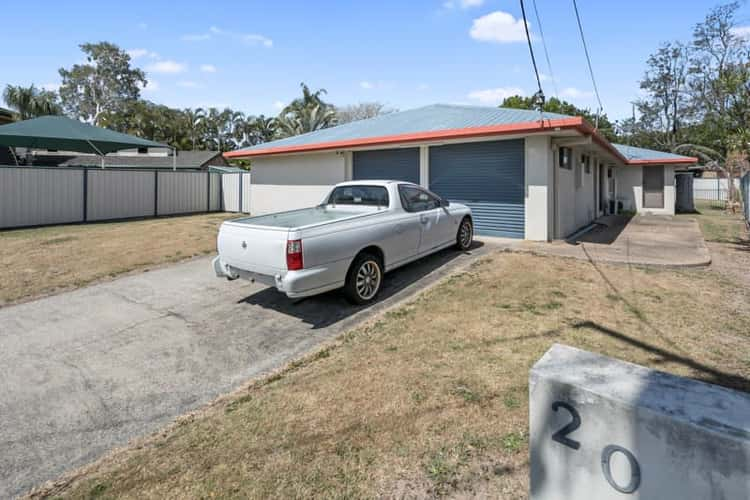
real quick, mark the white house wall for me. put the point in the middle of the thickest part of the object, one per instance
(538, 197)
(630, 190)
(290, 182)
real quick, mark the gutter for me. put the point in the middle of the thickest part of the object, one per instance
(574, 123)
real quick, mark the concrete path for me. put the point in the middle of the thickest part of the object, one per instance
(641, 240)
(85, 371)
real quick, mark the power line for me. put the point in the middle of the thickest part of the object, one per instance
(546, 53)
(588, 60)
(539, 96)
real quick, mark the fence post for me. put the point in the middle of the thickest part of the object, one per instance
(156, 193)
(85, 195)
(221, 192)
(208, 191)
(239, 208)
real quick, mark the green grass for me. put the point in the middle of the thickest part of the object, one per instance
(720, 226)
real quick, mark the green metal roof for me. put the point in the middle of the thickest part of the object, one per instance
(633, 153)
(426, 119)
(66, 134)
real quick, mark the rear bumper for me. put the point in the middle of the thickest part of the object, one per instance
(295, 284)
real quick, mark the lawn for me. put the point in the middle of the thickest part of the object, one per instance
(717, 225)
(430, 399)
(44, 260)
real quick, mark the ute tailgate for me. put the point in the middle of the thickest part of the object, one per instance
(252, 248)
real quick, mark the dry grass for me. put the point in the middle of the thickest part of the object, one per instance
(431, 399)
(718, 225)
(44, 260)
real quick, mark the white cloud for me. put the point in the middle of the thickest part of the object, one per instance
(279, 105)
(464, 4)
(151, 86)
(575, 93)
(741, 32)
(246, 38)
(52, 87)
(366, 85)
(498, 27)
(208, 68)
(189, 84)
(138, 53)
(494, 96)
(169, 67)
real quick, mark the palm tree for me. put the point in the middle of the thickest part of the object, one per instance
(195, 120)
(31, 102)
(306, 114)
(265, 128)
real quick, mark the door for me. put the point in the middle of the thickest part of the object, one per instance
(653, 187)
(486, 176)
(437, 226)
(387, 164)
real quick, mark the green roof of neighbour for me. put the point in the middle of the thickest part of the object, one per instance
(59, 132)
(426, 119)
(633, 153)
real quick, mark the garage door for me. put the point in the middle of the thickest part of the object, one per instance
(486, 176)
(387, 164)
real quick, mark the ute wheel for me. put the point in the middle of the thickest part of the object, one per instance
(364, 279)
(465, 234)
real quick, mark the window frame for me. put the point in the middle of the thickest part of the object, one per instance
(406, 206)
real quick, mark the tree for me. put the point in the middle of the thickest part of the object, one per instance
(30, 102)
(306, 114)
(555, 105)
(103, 85)
(666, 107)
(361, 111)
(720, 77)
(195, 121)
(265, 128)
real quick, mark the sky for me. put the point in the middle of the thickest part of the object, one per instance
(252, 55)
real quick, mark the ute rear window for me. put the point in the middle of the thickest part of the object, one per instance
(359, 195)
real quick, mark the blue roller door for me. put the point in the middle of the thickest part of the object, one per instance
(486, 176)
(387, 164)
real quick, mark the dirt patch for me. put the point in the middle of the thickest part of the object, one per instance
(46, 260)
(431, 398)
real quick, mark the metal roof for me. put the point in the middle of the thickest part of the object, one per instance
(633, 153)
(446, 121)
(426, 119)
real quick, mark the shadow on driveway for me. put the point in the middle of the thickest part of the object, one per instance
(321, 311)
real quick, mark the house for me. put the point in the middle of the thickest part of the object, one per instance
(525, 175)
(6, 116)
(142, 158)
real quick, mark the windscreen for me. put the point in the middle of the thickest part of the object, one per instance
(359, 195)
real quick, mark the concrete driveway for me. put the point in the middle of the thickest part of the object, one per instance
(641, 240)
(85, 371)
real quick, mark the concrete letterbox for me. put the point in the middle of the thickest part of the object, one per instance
(604, 429)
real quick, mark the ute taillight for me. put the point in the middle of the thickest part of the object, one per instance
(294, 255)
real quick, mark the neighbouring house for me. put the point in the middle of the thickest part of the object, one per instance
(142, 158)
(523, 174)
(6, 116)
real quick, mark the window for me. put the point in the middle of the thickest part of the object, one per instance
(563, 158)
(142, 151)
(359, 195)
(417, 200)
(586, 164)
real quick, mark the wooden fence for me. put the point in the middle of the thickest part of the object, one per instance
(37, 196)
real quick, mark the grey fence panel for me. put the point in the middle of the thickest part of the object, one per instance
(182, 192)
(30, 197)
(120, 194)
(215, 203)
(246, 193)
(230, 192)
